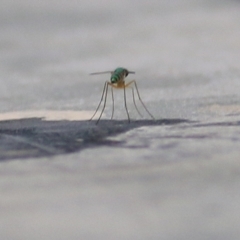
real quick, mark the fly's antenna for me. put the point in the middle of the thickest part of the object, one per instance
(131, 72)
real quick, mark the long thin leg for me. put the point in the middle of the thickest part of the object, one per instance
(103, 92)
(125, 102)
(142, 101)
(112, 103)
(104, 105)
(133, 81)
(135, 103)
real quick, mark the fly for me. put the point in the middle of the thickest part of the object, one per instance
(117, 80)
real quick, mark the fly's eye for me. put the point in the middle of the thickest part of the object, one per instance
(126, 73)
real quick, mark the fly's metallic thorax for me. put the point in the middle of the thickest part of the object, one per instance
(118, 75)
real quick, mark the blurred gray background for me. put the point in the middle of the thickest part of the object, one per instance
(177, 48)
(164, 182)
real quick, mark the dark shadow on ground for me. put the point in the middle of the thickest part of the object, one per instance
(35, 137)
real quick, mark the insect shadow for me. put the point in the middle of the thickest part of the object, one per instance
(34, 137)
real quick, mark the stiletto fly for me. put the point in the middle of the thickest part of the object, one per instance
(117, 80)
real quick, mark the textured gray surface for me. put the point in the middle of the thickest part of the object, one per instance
(175, 178)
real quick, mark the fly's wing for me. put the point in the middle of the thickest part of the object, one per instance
(95, 73)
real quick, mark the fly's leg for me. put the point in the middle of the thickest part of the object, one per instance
(133, 81)
(135, 103)
(112, 103)
(104, 105)
(125, 103)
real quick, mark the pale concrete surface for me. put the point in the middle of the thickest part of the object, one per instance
(67, 178)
